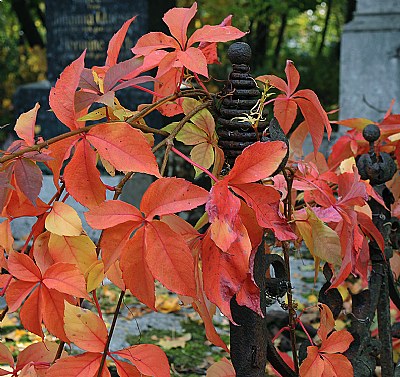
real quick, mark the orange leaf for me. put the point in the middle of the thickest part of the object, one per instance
(222, 368)
(337, 366)
(6, 238)
(293, 77)
(124, 147)
(338, 341)
(62, 95)
(25, 125)
(313, 364)
(31, 313)
(42, 352)
(148, 358)
(113, 241)
(135, 271)
(41, 253)
(17, 292)
(85, 328)
(125, 369)
(65, 278)
(169, 259)
(5, 355)
(247, 169)
(85, 365)
(63, 220)
(82, 178)
(170, 195)
(327, 322)
(112, 213)
(53, 312)
(23, 268)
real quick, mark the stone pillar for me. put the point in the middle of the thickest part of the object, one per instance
(370, 60)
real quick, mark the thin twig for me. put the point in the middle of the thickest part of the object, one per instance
(60, 349)
(3, 313)
(114, 321)
(165, 159)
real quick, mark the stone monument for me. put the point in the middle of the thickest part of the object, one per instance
(72, 26)
(370, 60)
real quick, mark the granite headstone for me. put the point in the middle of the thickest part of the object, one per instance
(370, 60)
(75, 25)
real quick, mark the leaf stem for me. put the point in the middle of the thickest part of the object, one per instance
(114, 321)
(212, 176)
(96, 302)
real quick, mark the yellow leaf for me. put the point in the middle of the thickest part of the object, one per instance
(168, 343)
(63, 220)
(95, 115)
(84, 328)
(94, 275)
(325, 241)
(167, 304)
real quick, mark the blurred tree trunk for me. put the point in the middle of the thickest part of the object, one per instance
(279, 42)
(31, 34)
(351, 7)
(259, 43)
(326, 24)
(157, 8)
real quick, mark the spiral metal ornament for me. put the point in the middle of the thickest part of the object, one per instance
(239, 100)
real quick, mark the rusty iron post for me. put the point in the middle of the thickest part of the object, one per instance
(251, 344)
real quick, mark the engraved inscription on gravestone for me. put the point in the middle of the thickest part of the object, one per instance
(75, 25)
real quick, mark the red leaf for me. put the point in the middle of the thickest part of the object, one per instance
(293, 77)
(111, 213)
(135, 271)
(154, 41)
(223, 208)
(170, 195)
(169, 259)
(23, 268)
(148, 358)
(285, 111)
(125, 369)
(215, 33)
(84, 365)
(28, 178)
(247, 169)
(274, 81)
(66, 278)
(82, 178)
(44, 352)
(124, 147)
(177, 20)
(337, 365)
(115, 43)
(223, 274)
(25, 125)
(194, 60)
(62, 95)
(264, 200)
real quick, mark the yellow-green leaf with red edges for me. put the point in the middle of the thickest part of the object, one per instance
(202, 154)
(149, 359)
(356, 123)
(63, 220)
(84, 328)
(25, 125)
(124, 147)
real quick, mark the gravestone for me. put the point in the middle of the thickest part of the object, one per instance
(72, 26)
(370, 60)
